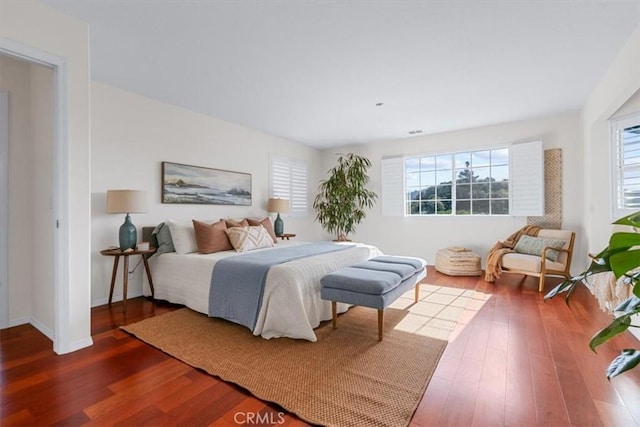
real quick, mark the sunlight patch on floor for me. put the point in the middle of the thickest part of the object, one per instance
(441, 312)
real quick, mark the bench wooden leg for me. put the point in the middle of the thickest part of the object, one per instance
(417, 292)
(334, 314)
(380, 324)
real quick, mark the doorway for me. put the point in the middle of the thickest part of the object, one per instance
(57, 321)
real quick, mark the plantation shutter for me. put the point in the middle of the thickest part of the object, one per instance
(526, 179)
(627, 164)
(392, 191)
(289, 181)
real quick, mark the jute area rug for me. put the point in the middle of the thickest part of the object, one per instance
(346, 378)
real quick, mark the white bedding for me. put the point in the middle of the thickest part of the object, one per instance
(291, 304)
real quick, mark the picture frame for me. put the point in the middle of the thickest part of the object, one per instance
(198, 185)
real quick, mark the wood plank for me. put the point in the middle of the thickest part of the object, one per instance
(432, 403)
(549, 401)
(518, 381)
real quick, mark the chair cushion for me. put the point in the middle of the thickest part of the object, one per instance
(526, 262)
(534, 245)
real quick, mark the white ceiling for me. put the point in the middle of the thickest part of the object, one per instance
(313, 71)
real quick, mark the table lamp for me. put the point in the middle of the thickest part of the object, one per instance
(127, 201)
(278, 205)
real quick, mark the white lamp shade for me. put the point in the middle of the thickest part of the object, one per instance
(126, 201)
(278, 205)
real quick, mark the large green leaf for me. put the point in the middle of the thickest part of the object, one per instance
(619, 324)
(628, 359)
(632, 220)
(624, 240)
(624, 262)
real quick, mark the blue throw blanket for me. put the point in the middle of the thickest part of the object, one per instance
(237, 283)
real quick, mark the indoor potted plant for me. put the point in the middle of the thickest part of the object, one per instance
(622, 258)
(343, 198)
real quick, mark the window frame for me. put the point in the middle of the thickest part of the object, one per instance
(454, 170)
(616, 125)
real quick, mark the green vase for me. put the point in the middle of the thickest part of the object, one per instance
(128, 234)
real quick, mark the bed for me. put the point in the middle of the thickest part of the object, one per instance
(291, 305)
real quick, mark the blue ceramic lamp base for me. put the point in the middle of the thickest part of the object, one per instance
(128, 234)
(278, 226)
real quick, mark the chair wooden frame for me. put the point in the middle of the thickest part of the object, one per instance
(544, 271)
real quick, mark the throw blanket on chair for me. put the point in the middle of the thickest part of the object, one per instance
(494, 258)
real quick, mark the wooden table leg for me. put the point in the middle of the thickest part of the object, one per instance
(125, 282)
(113, 276)
(146, 268)
(380, 324)
(334, 314)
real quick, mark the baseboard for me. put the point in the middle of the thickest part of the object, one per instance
(73, 346)
(19, 321)
(28, 320)
(57, 347)
(42, 328)
(116, 298)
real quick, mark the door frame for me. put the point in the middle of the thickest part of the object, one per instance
(60, 191)
(4, 211)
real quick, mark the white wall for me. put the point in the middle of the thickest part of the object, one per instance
(132, 135)
(423, 236)
(30, 24)
(613, 94)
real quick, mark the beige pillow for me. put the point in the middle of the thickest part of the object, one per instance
(266, 223)
(248, 238)
(211, 237)
(235, 223)
(183, 236)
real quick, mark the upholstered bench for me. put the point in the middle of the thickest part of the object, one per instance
(375, 283)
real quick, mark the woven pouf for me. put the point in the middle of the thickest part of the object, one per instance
(457, 261)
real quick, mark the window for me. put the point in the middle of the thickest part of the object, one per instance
(464, 183)
(626, 170)
(289, 181)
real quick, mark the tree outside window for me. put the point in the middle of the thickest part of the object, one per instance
(466, 183)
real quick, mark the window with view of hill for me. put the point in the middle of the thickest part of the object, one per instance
(463, 183)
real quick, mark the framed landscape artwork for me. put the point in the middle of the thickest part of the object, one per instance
(204, 186)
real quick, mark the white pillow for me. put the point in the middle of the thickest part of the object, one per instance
(183, 236)
(248, 238)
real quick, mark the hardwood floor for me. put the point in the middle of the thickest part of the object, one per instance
(514, 360)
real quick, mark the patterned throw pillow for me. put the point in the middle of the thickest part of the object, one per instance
(533, 246)
(267, 224)
(248, 238)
